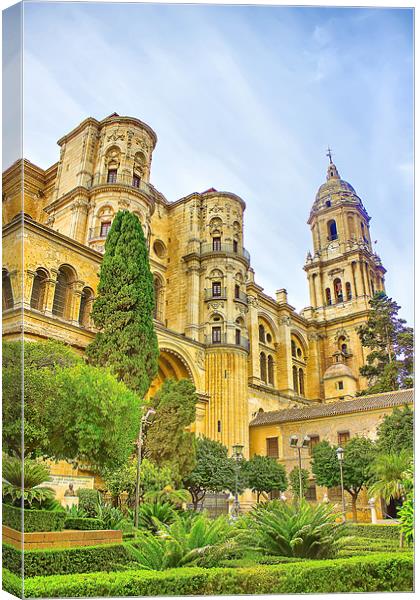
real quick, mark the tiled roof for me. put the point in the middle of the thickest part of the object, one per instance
(360, 404)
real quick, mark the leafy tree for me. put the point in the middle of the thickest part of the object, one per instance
(389, 364)
(396, 431)
(41, 362)
(123, 479)
(123, 309)
(265, 474)
(168, 443)
(357, 466)
(214, 470)
(95, 417)
(294, 481)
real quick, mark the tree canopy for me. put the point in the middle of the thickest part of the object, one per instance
(264, 475)
(213, 471)
(389, 364)
(359, 454)
(396, 431)
(95, 417)
(42, 360)
(123, 310)
(168, 443)
(294, 481)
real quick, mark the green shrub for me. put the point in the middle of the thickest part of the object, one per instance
(88, 501)
(83, 523)
(300, 530)
(406, 517)
(12, 583)
(369, 574)
(368, 530)
(152, 515)
(22, 482)
(86, 559)
(33, 520)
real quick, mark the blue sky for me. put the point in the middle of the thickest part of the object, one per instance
(244, 99)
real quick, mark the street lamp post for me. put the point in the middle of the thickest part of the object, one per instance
(340, 457)
(237, 456)
(143, 421)
(304, 444)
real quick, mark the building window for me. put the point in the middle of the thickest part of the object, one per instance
(39, 289)
(328, 203)
(295, 379)
(136, 181)
(338, 290)
(7, 293)
(237, 290)
(61, 300)
(238, 337)
(216, 335)
(216, 289)
(348, 291)
(340, 385)
(272, 447)
(301, 382)
(235, 245)
(314, 440)
(332, 230)
(263, 367)
(343, 437)
(293, 344)
(270, 364)
(328, 296)
(219, 426)
(105, 227)
(217, 243)
(261, 333)
(112, 176)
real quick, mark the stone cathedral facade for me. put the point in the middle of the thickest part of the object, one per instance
(246, 352)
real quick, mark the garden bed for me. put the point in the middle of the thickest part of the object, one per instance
(375, 573)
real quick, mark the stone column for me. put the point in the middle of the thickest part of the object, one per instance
(361, 270)
(79, 210)
(193, 314)
(75, 299)
(253, 337)
(284, 355)
(27, 287)
(49, 292)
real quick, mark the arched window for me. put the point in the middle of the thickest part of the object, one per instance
(332, 230)
(295, 380)
(348, 291)
(263, 367)
(270, 363)
(85, 307)
(7, 290)
(261, 333)
(39, 288)
(338, 290)
(61, 302)
(157, 286)
(293, 344)
(328, 296)
(237, 290)
(301, 382)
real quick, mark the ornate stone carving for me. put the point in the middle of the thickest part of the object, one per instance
(285, 320)
(253, 301)
(200, 358)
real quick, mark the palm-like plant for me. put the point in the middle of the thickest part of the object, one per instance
(299, 530)
(390, 475)
(22, 481)
(184, 543)
(153, 515)
(111, 517)
(169, 495)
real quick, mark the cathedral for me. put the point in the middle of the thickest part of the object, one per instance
(250, 356)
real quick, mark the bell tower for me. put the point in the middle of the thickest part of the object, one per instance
(343, 269)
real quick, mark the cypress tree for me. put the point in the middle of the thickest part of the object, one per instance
(123, 309)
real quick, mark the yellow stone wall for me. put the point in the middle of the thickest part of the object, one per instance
(66, 206)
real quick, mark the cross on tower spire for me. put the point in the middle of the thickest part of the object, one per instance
(329, 154)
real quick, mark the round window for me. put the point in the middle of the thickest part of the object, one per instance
(269, 338)
(159, 248)
(299, 352)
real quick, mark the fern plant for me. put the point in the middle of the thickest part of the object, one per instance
(301, 530)
(168, 495)
(111, 517)
(22, 481)
(153, 515)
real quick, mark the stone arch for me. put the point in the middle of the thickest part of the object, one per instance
(39, 288)
(62, 303)
(172, 365)
(269, 324)
(295, 333)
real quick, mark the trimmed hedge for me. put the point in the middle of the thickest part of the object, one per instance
(33, 520)
(83, 523)
(368, 530)
(86, 559)
(12, 583)
(368, 574)
(88, 500)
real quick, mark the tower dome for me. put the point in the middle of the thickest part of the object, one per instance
(335, 191)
